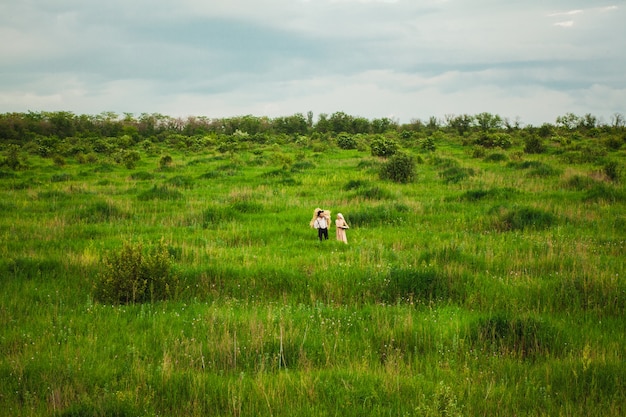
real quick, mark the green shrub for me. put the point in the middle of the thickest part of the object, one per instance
(101, 212)
(428, 144)
(425, 285)
(133, 275)
(374, 193)
(456, 174)
(165, 161)
(354, 184)
(605, 192)
(525, 218)
(496, 157)
(141, 176)
(580, 182)
(383, 146)
(346, 141)
(493, 193)
(160, 193)
(399, 168)
(613, 171)
(524, 337)
(534, 144)
(181, 181)
(494, 140)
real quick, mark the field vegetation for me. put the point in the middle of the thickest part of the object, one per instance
(152, 266)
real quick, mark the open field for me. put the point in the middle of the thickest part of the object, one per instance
(492, 284)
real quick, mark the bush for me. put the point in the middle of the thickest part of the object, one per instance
(534, 144)
(384, 147)
(345, 141)
(524, 337)
(525, 218)
(400, 168)
(456, 174)
(613, 171)
(132, 276)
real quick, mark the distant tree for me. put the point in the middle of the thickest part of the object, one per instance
(568, 121)
(617, 120)
(461, 124)
(487, 121)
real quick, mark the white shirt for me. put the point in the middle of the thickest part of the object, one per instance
(320, 223)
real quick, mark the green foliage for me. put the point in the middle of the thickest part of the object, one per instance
(490, 194)
(613, 171)
(383, 146)
(512, 279)
(428, 144)
(374, 193)
(346, 141)
(160, 192)
(101, 212)
(496, 157)
(133, 275)
(13, 159)
(523, 218)
(423, 285)
(166, 161)
(399, 168)
(494, 140)
(534, 144)
(523, 337)
(456, 174)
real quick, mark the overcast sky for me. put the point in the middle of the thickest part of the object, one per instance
(528, 60)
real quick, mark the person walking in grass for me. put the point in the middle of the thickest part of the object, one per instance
(321, 221)
(341, 226)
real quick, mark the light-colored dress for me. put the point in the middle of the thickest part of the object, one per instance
(341, 226)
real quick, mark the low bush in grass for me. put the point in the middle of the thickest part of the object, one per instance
(141, 176)
(490, 194)
(355, 184)
(181, 181)
(523, 337)
(523, 218)
(613, 171)
(604, 192)
(160, 192)
(580, 183)
(374, 193)
(101, 211)
(496, 157)
(135, 275)
(213, 216)
(399, 168)
(422, 285)
(456, 174)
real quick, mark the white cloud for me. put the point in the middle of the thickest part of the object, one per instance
(276, 57)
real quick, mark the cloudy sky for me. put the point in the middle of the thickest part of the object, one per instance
(529, 61)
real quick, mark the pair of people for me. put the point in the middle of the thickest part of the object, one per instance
(321, 221)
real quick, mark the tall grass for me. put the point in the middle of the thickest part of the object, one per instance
(481, 288)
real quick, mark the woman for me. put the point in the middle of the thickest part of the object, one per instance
(341, 227)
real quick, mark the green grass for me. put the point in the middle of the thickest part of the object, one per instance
(484, 287)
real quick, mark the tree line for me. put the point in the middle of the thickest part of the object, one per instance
(19, 127)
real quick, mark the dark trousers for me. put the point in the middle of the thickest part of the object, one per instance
(322, 233)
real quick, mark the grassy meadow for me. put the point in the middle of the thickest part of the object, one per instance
(493, 284)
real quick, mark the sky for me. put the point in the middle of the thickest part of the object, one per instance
(527, 61)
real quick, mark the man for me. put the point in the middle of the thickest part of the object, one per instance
(321, 224)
